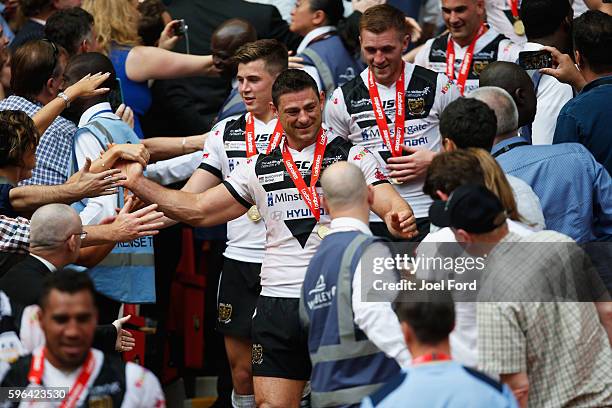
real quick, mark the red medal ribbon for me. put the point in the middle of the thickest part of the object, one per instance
(394, 145)
(467, 60)
(428, 358)
(309, 194)
(514, 6)
(249, 136)
(37, 367)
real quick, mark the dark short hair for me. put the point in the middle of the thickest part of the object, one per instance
(31, 8)
(89, 63)
(32, 65)
(543, 17)
(292, 80)
(67, 282)
(69, 28)
(593, 39)
(378, 19)
(432, 322)
(469, 123)
(272, 52)
(449, 170)
(18, 134)
(151, 23)
(333, 9)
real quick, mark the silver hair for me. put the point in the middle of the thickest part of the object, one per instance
(52, 224)
(500, 101)
(343, 185)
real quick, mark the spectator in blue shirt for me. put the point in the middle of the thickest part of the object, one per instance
(574, 189)
(434, 380)
(586, 118)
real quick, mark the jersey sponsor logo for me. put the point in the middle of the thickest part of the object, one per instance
(277, 177)
(374, 133)
(284, 197)
(360, 103)
(234, 145)
(447, 87)
(267, 164)
(298, 213)
(321, 296)
(257, 354)
(438, 53)
(205, 155)
(105, 389)
(232, 164)
(276, 215)
(438, 66)
(416, 93)
(485, 55)
(379, 175)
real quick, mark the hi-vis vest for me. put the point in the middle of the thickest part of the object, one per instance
(127, 274)
(346, 365)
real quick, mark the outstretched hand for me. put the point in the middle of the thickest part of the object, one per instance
(141, 223)
(564, 69)
(402, 224)
(132, 169)
(96, 184)
(88, 86)
(405, 169)
(125, 340)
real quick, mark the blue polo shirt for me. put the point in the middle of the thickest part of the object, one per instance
(445, 384)
(586, 119)
(575, 191)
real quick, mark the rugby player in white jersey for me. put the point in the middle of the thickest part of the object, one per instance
(284, 186)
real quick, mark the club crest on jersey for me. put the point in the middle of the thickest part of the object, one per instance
(416, 106)
(479, 66)
(225, 312)
(257, 354)
(100, 402)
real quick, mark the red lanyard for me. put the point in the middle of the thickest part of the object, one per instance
(514, 6)
(249, 136)
(467, 59)
(309, 194)
(428, 358)
(394, 145)
(37, 367)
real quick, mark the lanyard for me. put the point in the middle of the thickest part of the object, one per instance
(309, 194)
(428, 358)
(394, 145)
(80, 385)
(249, 136)
(514, 6)
(509, 147)
(467, 59)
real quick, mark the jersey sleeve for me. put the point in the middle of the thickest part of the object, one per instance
(422, 57)
(365, 160)
(240, 182)
(337, 118)
(508, 51)
(142, 388)
(448, 92)
(211, 154)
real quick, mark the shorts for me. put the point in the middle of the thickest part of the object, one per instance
(239, 288)
(280, 343)
(380, 229)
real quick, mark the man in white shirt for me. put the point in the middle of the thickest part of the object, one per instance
(346, 375)
(295, 224)
(547, 23)
(468, 46)
(68, 319)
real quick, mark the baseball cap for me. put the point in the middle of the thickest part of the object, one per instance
(471, 207)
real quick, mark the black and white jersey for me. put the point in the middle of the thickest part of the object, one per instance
(225, 149)
(490, 47)
(349, 115)
(291, 228)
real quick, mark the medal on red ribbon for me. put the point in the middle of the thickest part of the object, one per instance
(308, 193)
(249, 136)
(467, 59)
(519, 27)
(393, 144)
(37, 367)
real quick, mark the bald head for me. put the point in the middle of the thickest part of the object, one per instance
(514, 80)
(51, 225)
(500, 101)
(344, 187)
(226, 39)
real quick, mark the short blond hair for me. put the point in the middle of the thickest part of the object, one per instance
(116, 21)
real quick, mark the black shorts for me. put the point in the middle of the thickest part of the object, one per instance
(239, 288)
(380, 229)
(280, 344)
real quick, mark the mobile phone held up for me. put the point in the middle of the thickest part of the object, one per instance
(535, 60)
(180, 28)
(115, 95)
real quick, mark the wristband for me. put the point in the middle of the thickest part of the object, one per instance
(63, 96)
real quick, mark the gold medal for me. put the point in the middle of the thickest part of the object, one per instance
(519, 27)
(323, 231)
(253, 214)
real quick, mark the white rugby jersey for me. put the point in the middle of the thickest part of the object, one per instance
(225, 149)
(491, 46)
(349, 114)
(291, 229)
